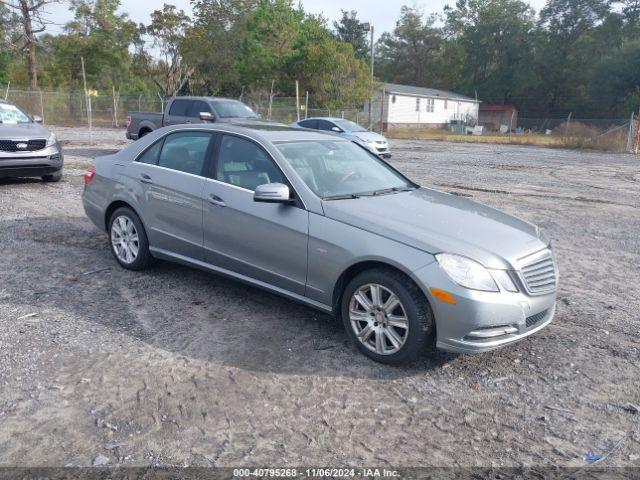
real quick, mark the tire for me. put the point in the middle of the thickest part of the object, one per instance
(143, 132)
(134, 240)
(414, 341)
(54, 177)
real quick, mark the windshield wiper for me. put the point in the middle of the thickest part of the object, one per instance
(348, 196)
(385, 191)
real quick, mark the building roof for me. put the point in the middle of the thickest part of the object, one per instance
(486, 107)
(424, 92)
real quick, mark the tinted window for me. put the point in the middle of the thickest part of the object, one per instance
(350, 126)
(244, 164)
(309, 124)
(325, 125)
(185, 151)
(233, 109)
(151, 155)
(197, 107)
(179, 108)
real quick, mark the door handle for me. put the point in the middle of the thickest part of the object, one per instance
(216, 200)
(187, 121)
(144, 178)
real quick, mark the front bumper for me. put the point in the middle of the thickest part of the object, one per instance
(483, 321)
(31, 164)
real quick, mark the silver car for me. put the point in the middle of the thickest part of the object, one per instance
(323, 221)
(27, 149)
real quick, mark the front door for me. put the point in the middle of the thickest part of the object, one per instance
(263, 241)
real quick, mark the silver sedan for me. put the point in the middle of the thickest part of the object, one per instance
(323, 221)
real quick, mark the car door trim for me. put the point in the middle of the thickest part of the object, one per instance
(242, 278)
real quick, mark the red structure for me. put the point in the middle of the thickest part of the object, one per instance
(492, 117)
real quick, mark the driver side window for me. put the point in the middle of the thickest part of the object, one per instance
(244, 164)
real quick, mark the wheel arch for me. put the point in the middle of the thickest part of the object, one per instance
(355, 269)
(113, 206)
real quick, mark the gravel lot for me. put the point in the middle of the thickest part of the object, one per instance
(177, 367)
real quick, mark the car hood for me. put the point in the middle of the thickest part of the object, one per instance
(435, 222)
(369, 136)
(22, 131)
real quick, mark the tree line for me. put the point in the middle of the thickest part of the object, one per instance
(579, 56)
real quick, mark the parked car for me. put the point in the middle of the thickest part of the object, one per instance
(323, 221)
(27, 149)
(188, 110)
(349, 129)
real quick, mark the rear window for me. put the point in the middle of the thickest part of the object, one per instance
(179, 108)
(233, 109)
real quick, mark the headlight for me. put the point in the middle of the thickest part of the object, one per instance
(466, 272)
(52, 140)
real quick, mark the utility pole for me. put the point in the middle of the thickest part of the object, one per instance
(373, 46)
(88, 100)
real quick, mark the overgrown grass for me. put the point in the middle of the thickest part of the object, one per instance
(578, 137)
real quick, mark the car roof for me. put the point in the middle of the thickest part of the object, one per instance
(264, 130)
(205, 99)
(331, 119)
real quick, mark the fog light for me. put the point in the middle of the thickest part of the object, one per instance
(55, 158)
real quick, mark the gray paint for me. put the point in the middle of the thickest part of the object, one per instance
(301, 250)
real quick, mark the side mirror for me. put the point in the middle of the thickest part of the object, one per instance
(272, 193)
(207, 117)
(336, 129)
(37, 119)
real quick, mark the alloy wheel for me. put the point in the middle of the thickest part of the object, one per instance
(378, 319)
(124, 239)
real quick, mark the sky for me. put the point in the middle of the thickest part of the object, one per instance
(382, 14)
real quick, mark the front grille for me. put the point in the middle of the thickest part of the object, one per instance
(535, 319)
(540, 275)
(32, 145)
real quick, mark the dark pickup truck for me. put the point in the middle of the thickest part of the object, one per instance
(188, 110)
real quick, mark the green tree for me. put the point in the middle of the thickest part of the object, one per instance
(212, 44)
(102, 37)
(351, 30)
(616, 79)
(567, 49)
(496, 42)
(283, 44)
(413, 53)
(167, 31)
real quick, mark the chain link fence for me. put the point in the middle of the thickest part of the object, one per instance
(110, 109)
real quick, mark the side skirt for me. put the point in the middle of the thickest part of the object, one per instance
(191, 262)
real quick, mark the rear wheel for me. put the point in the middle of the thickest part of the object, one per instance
(129, 242)
(53, 177)
(143, 132)
(387, 317)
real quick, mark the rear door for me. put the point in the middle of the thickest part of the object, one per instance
(178, 112)
(171, 172)
(264, 241)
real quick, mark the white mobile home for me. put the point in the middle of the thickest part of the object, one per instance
(410, 107)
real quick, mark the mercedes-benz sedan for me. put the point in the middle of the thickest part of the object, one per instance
(323, 221)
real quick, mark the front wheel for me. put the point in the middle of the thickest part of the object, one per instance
(387, 317)
(129, 242)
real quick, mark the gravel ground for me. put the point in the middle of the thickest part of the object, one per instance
(177, 367)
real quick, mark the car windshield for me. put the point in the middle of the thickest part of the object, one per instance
(233, 109)
(12, 114)
(350, 126)
(335, 170)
